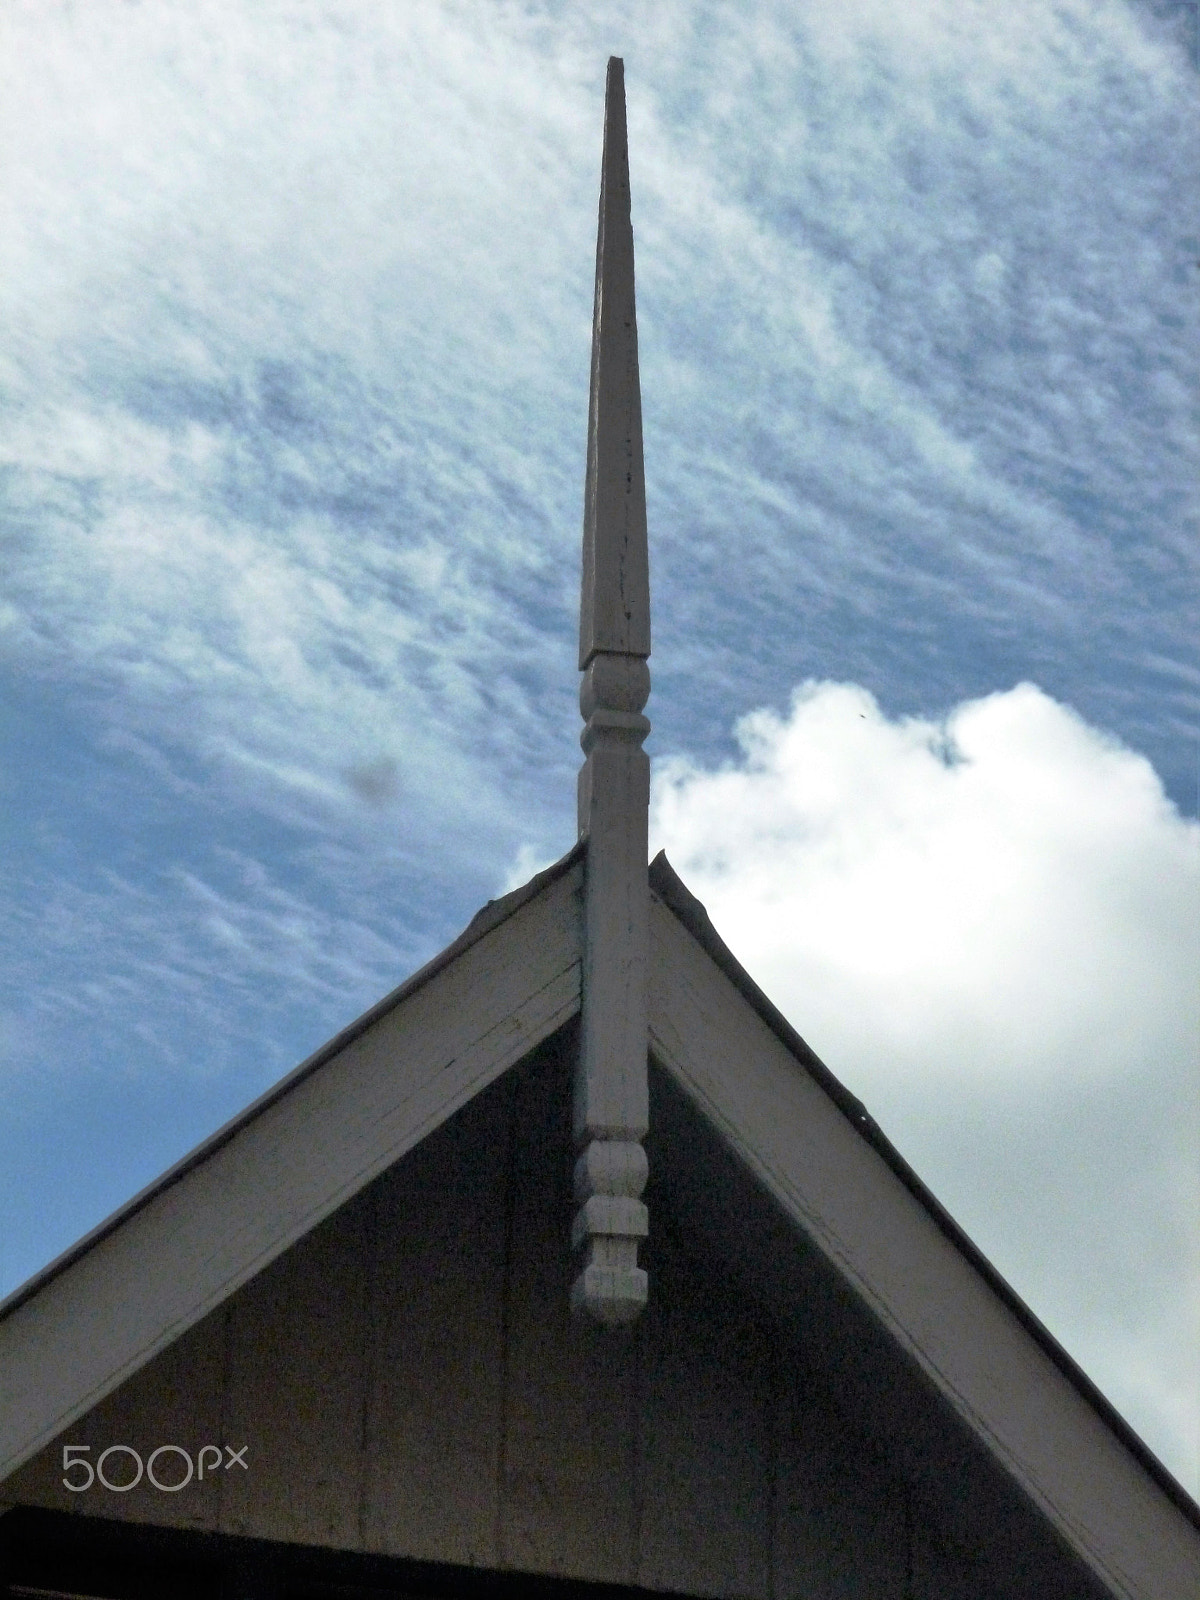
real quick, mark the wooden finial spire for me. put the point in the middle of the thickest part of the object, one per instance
(611, 1100)
(614, 613)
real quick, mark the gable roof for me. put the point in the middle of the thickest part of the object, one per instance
(89, 1320)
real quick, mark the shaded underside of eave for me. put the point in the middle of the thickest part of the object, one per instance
(55, 1546)
(674, 894)
(483, 922)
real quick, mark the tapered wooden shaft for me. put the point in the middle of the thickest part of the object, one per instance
(611, 1104)
(614, 611)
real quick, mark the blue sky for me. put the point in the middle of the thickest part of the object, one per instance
(293, 392)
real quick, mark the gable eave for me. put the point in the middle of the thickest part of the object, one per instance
(700, 1028)
(674, 893)
(289, 1159)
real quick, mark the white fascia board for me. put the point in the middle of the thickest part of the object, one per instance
(809, 1155)
(176, 1252)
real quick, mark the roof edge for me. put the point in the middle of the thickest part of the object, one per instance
(670, 888)
(485, 919)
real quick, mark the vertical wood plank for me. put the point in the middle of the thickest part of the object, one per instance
(943, 1572)
(707, 1444)
(840, 1522)
(569, 1460)
(436, 1357)
(294, 1390)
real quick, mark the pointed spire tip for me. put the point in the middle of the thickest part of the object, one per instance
(615, 600)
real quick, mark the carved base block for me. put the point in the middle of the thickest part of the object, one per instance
(609, 1177)
(612, 1288)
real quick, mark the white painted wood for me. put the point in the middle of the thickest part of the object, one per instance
(282, 1171)
(296, 1350)
(615, 613)
(432, 1413)
(706, 1450)
(610, 1097)
(177, 1398)
(716, 1448)
(839, 1515)
(610, 1104)
(835, 1186)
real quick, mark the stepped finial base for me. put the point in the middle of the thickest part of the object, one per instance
(615, 1296)
(609, 1178)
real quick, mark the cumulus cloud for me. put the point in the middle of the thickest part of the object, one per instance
(1009, 888)
(988, 925)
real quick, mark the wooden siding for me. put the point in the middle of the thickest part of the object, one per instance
(409, 1382)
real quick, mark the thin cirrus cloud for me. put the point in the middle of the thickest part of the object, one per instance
(294, 391)
(988, 925)
(265, 454)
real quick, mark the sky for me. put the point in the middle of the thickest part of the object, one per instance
(293, 399)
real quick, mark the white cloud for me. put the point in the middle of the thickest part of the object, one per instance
(1009, 889)
(989, 927)
(527, 862)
